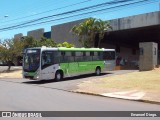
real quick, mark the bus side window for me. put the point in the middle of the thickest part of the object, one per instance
(44, 57)
(87, 56)
(109, 55)
(84, 56)
(78, 56)
(96, 56)
(57, 57)
(47, 58)
(68, 57)
(91, 53)
(62, 54)
(100, 55)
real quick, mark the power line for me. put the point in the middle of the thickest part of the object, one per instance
(72, 16)
(62, 18)
(78, 3)
(33, 6)
(70, 12)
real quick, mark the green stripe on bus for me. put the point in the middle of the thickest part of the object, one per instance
(78, 67)
(31, 74)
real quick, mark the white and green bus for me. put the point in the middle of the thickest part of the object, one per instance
(45, 63)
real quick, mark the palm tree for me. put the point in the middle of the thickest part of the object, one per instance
(101, 28)
(88, 30)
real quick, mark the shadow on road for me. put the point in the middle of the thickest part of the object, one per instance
(65, 79)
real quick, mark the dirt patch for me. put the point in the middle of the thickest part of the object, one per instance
(11, 74)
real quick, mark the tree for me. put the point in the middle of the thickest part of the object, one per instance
(11, 49)
(2, 52)
(65, 44)
(29, 42)
(88, 30)
(45, 42)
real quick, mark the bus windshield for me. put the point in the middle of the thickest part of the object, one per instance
(31, 60)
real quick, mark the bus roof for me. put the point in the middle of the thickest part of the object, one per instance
(72, 49)
(109, 49)
(80, 49)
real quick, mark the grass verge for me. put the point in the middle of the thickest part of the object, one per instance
(145, 81)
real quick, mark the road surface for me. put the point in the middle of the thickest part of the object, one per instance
(21, 95)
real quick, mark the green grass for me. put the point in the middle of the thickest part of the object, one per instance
(147, 81)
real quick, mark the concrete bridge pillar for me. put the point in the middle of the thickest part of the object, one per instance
(148, 56)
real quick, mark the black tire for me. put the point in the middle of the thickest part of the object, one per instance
(58, 76)
(98, 71)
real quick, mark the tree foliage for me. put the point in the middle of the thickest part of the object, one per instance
(11, 49)
(65, 44)
(88, 30)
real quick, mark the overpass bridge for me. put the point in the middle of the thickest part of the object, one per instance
(129, 31)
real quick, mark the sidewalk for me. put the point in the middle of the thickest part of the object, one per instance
(139, 86)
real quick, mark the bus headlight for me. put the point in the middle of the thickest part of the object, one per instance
(37, 77)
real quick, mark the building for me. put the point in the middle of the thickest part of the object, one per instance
(125, 36)
(61, 33)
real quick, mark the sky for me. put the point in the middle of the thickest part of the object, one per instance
(20, 12)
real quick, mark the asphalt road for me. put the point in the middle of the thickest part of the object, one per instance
(23, 95)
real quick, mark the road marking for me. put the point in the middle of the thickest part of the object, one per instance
(132, 95)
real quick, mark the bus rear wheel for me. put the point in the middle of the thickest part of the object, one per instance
(98, 71)
(58, 76)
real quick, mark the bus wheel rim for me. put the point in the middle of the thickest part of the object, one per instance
(58, 76)
(98, 71)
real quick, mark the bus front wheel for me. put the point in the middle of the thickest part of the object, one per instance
(58, 76)
(98, 71)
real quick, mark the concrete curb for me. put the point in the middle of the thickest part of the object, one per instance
(140, 100)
